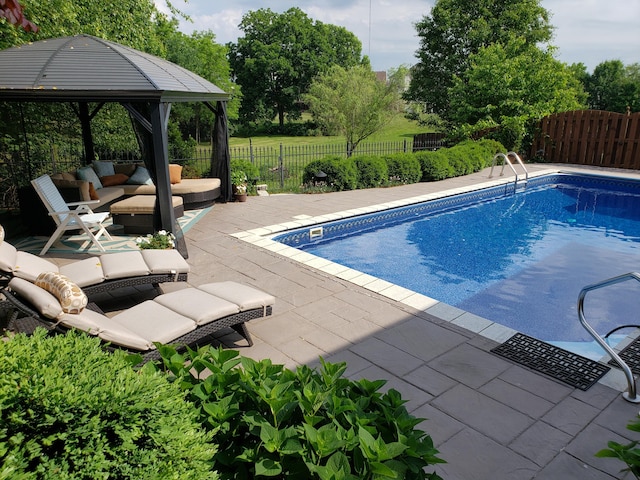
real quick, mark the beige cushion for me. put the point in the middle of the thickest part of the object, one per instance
(40, 299)
(84, 272)
(247, 298)
(106, 328)
(29, 266)
(164, 261)
(154, 322)
(71, 297)
(82, 186)
(1, 234)
(8, 254)
(197, 305)
(140, 205)
(122, 265)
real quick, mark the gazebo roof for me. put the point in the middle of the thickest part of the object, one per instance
(87, 68)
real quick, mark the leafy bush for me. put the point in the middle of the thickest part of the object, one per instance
(342, 173)
(68, 409)
(434, 165)
(271, 421)
(250, 170)
(372, 171)
(628, 453)
(404, 168)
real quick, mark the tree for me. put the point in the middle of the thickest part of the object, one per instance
(12, 11)
(509, 85)
(279, 55)
(614, 87)
(457, 29)
(353, 102)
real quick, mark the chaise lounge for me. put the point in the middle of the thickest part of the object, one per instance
(101, 273)
(184, 317)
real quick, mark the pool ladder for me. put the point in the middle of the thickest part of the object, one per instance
(507, 161)
(631, 395)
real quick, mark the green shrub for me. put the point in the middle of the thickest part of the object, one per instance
(372, 171)
(628, 453)
(342, 173)
(69, 409)
(404, 168)
(434, 165)
(307, 424)
(251, 171)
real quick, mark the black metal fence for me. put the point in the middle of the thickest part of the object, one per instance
(280, 167)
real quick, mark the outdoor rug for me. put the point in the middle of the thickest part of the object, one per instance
(631, 356)
(568, 367)
(120, 242)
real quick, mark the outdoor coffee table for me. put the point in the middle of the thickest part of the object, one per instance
(135, 213)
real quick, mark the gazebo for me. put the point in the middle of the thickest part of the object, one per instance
(86, 71)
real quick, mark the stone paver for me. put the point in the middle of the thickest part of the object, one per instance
(491, 419)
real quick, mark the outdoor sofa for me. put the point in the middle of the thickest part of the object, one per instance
(183, 317)
(109, 182)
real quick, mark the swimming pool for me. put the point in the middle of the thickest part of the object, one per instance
(518, 258)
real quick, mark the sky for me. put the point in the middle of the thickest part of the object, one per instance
(587, 31)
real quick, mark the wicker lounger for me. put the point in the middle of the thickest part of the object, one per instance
(101, 273)
(183, 318)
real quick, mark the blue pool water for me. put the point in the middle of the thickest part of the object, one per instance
(516, 258)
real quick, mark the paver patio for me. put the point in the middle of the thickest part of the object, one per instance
(490, 418)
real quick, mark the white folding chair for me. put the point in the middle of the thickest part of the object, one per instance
(67, 218)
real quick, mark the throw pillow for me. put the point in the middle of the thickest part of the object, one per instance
(83, 187)
(71, 297)
(103, 169)
(90, 175)
(126, 168)
(115, 179)
(93, 195)
(140, 177)
(175, 173)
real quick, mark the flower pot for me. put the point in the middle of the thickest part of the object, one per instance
(240, 197)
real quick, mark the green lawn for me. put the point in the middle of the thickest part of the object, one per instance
(399, 129)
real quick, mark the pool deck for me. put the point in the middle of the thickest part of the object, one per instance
(488, 417)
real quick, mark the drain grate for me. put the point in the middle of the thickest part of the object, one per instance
(631, 356)
(568, 367)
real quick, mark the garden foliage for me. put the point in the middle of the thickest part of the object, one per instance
(270, 421)
(628, 453)
(69, 409)
(368, 171)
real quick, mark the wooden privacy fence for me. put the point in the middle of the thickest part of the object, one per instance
(589, 137)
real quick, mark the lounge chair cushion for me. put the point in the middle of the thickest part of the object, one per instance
(154, 322)
(161, 261)
(84, 272)
(71, 297)
(197, 305)
(247, 298)
(8, 255)
(106, 328)
(39, 298)
(29, 266)
(125, 264)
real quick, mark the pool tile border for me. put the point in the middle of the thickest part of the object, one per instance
(263, 237)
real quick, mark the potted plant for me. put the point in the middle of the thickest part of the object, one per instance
(239, 182)
(161, 240)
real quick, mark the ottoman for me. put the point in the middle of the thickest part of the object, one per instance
(135, 213)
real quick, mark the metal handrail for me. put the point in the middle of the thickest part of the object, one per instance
(631, 394)
(508, 162)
